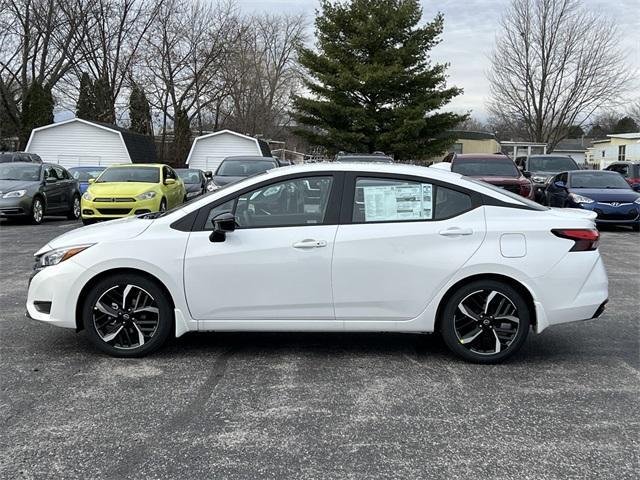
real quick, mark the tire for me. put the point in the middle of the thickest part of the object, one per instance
(163, 205)
(474, 336)
(74, 213)
(116, 329)
(37, 211)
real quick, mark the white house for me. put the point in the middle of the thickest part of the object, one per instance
(208, 151)
(617, 147)
(81, 142)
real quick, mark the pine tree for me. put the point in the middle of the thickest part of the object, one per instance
(37, 110)
(139, 111)
(181, 137)
(373, 86)
(86, 106)
(105, 110)
(625, 125)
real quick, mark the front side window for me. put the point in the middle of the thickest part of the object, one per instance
(296, 202)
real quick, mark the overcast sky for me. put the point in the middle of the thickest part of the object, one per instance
(470, 29)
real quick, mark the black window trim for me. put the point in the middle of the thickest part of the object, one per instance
(346, 211)
(198, 221)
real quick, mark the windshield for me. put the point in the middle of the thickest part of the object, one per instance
(489, 167)
(597, 180)
(363, 158)
(130, 174)
(6, 157)
(20, 171)
(529, 203)
(84, 174)
(189, 175)
(551, 164)
(244, 168)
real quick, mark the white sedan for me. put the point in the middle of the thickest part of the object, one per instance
(329, 247)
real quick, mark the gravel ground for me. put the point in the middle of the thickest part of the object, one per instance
(329, 406)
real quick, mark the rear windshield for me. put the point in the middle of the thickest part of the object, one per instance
(597, 180)
(485, 167)
(244, 168)
(552, 164)
(365, 158)
(84, 174)
(525, 201)
(130, 174)
(189, 176)
(27, 172)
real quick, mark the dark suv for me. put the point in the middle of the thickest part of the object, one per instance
(629, 170)
(6, 157)
(541, 168)
(497, 169)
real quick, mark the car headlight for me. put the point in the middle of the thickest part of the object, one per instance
(579, 198)
(15, 194)
(539, 179)
(637, 200)
(146, 196)
(86, 196)
(58, 255)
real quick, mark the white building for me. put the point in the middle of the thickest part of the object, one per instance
(81, 142)
(617, 147)
(208, 151)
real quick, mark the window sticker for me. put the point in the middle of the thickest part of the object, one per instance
(398, 202)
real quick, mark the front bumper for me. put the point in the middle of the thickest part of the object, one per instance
(15, 207)
(623, 214)
(98, 210)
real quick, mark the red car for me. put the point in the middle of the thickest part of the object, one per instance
(497, 169)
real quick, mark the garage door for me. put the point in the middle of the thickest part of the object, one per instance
(69, 161)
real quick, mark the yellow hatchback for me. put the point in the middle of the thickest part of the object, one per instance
(132, 189)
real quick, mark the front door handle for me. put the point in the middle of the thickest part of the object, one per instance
(456, 231)
(310, 243)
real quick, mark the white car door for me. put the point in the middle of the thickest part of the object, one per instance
(276, 265)
(397, 247)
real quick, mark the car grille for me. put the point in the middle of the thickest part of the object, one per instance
(111, 200)
(630, 214)
(114, 211)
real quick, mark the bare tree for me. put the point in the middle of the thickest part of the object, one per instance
(554, 64)
(39, 42)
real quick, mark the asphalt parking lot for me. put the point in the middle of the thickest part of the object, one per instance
(330, 406)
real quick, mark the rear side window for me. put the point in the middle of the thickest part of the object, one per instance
(387, 200)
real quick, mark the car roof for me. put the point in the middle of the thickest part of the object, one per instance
(482, 156)
(128, 165)
(582, 172)
(625, 162)
(92, 167)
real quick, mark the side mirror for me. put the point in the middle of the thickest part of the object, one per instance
(208, 174)
(526, 174)
(559, 184)
(170, 181)
(222, 224)
(91, 180)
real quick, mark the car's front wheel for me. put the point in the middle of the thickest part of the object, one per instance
(485, 321)
(37, 211)
(127, 315)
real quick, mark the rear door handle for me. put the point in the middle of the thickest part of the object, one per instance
(310, 243)
(456, 232)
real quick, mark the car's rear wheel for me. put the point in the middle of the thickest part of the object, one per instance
(485, 321)
(127, 315)
(74, 213)
(37, 211)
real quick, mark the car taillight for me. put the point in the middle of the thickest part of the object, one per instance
(525, 190)
(633, 181)
(585, 239)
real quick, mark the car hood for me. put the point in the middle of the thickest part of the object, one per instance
(493, 180)
(10, 185)
(121, 229)
(221, 180)
(119, 188)
(621, 195)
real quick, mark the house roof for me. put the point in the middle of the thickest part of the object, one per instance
(628, 136)
(573, 145)
(471, 135)
(141, 148)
